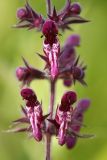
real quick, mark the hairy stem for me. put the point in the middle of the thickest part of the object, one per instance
(49, 6)
(48, 135)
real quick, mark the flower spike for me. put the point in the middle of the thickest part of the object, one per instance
(61, 62)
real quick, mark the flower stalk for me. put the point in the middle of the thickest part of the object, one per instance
(48, 147)
(51, 108)
(52, 97)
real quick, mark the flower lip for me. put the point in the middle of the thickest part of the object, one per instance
(68, 98)
(49, 28)
(28, 94)
(50, 32)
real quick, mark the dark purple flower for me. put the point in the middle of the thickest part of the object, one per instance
(68, 99)
(63, 115)
(50, 31)
(34, 112)
(69, 120)
(33, 115)
(29, 96)
(51, 46)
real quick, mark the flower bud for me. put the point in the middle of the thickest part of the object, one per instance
(67, 56)
(83, 105)
(21, 13)
(22, 73)
(78, 73)
(67, 82)
(76, 8)
(73, 40)
(70, 142)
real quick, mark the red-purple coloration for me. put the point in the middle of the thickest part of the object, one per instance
(51, 46)
(67, 57)
(76, 8)
(21, 13)
(83, 105)
(27, 74)
(68, 120)
(21, 73)
(33, 114)
(78, 73)
(71, 141)
(68, 98)
(73, 40)
(64, 115)
(67, 82)
(29, 18)
(49, 28)
(29, 95)
(50, 31)
(35, 117)
(60, 63)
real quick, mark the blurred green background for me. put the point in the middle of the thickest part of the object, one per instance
(15, 43)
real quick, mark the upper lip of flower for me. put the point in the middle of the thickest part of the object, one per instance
(50, 32)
